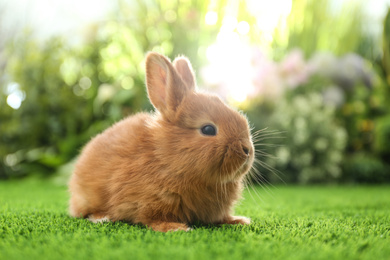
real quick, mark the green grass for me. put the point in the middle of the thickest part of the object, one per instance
(289, 222)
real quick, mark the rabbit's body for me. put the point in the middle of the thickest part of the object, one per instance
(160, 169)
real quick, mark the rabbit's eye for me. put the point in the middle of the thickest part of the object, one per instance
(209, 130)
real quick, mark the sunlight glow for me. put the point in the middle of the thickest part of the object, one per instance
(230, 57)
(269, 14)
(229, 23)
(230, 66)
(243, 27)
(211, 18)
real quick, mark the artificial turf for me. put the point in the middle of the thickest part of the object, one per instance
(289, 222)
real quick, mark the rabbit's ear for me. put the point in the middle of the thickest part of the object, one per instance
(184, 68)
(166, 88)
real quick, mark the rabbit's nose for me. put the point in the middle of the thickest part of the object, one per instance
(245, 149)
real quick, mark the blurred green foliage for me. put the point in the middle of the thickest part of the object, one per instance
(313, 143)
(365, 168)
(322, 25)
(335, 127)
(360, 91)
(386, 48)
(71, 93)
(382, 138)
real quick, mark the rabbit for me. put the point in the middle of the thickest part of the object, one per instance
(183, 164)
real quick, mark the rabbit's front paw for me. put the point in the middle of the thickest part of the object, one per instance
(168, 226)
(234, 220)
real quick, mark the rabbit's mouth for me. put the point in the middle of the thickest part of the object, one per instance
(237, 175)
(245, 167)
(237, 167)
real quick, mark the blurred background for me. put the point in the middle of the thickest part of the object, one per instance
(315, 74)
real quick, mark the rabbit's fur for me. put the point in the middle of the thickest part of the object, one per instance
(159, 169)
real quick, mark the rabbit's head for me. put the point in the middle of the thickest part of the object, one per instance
(199, 137)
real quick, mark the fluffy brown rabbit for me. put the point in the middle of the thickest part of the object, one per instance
(185, 163)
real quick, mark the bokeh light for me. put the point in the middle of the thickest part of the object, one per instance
(15, 96)
(211, 18)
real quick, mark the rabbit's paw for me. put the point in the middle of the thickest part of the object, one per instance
(98, 218)
(168, 226)
(234, 220)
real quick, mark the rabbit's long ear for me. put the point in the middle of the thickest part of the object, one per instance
(184, 68)
(166, 88)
